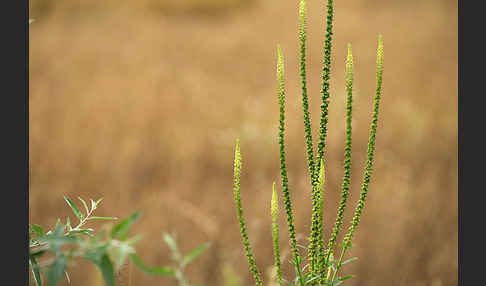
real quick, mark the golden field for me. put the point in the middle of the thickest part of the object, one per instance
(140, 102)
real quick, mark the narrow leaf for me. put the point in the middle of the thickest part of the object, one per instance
(98, 201)
(121, 229)
(349, 260)
(35, 270)
(133, 240)
(56, 271)
(74, 208)
(345, 277)
(85, 205)
(68, 224)
(195, 253)
(151, 270)
(38, 251)
(170, 242)
(38, 230)
(87, 231)
(101, 218)
(107, 270)
(58, 223)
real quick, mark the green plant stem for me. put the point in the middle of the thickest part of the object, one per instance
(326, 73)
(370, 156)
(347, 157)
(305, 98)
(313, 239)
(283, 167)
(239, 209)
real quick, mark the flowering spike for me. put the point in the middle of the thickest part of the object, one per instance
(239, 209)
(283, 166)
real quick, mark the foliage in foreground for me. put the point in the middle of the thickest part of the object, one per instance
(322, 267)
(51, 252)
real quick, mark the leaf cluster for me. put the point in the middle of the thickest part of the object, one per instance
(52, 252)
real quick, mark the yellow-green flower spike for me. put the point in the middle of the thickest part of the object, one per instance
(308, 134)
(326, 75)
(347, 154)
(239, 209)
(370, 154)
(276, 248)
(283, 166)
(305, 98)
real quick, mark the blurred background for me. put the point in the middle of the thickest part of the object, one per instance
(140, 102)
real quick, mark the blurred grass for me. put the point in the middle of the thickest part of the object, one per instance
(140, 102)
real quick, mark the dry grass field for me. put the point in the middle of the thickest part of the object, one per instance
(140, 102)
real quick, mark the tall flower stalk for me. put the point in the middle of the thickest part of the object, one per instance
(347, 155)
(239, 209)
(315, 194)
(369, 158)
(326, 75)
(283, 165)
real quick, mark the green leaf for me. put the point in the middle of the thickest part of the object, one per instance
(312, 279)
(68, 224)
(302, 246)
(57, 238)
(98, 201)
(35, 270)
(195, 253)
(95, 254)
(151, 270)
(74, 208)
(107, 270)
(303, 268)
(58, 223)
(345, 277)
(173, 246)
(38, 251)
(349, 260)
(87, 231)
(121, 229)
(170, 242)
(100, 258)
(85, 205)
(56, 271)
(101, 218)
(37, 230)
(133, 240)
(339, 280)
